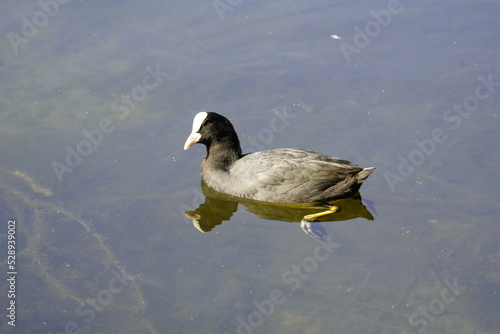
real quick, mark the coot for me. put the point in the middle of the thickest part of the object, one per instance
(285, 175)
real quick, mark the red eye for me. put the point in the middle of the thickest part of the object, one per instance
(207, 123)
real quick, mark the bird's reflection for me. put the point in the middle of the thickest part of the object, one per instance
(219, 207)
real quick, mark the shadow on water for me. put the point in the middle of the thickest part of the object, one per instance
(218, 207)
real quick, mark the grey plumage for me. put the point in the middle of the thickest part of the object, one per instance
(285, 175)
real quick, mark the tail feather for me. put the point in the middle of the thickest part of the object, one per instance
(363, 174)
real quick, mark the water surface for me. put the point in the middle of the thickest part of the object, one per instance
(97, 100)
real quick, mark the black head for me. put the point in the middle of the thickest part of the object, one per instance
(211, 129)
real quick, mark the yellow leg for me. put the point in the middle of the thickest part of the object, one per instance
(313, 217)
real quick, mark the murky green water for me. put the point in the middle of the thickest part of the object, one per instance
(96, 101)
